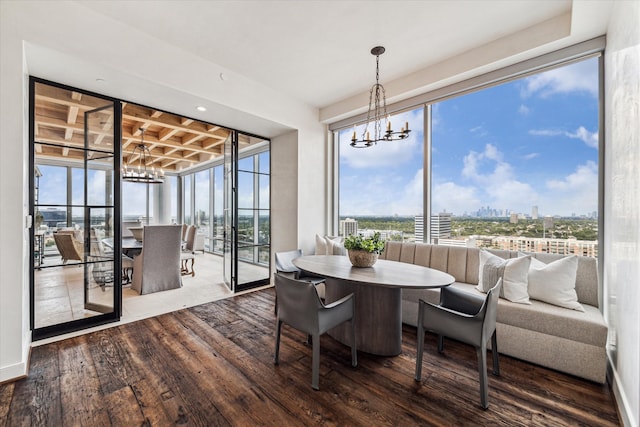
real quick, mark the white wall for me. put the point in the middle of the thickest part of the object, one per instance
(622, 204)
(69, 43)
(14, 292)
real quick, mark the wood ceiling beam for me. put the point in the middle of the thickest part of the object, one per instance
(175, 142)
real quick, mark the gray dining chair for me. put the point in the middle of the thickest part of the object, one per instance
(301, 308)
(465, 317)
(157, 268)
(285, 266)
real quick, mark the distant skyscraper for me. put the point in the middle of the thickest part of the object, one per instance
(441, 226)
(513, 219)
(348, 226)
(419, 228)
(534, 212)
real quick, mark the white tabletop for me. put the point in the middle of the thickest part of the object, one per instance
(383, 273)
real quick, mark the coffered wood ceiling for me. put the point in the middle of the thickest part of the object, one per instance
(176, 143)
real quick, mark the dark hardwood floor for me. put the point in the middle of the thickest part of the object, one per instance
(213, 365)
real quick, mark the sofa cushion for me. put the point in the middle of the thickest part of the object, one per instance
(457, 263)
(422, 255)
(407, 252)
(391, 251)
(555, 283)
(439, 257)
(587, 327)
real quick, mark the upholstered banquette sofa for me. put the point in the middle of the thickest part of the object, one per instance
(568, 340)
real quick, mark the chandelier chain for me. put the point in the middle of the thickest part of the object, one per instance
(377, 113)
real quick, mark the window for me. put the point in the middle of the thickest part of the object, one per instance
(202, 213)
(381, 187)
(515, 166)
(512, 166)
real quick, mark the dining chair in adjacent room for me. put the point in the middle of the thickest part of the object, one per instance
(285, 266)
(301, 308)
(188, 252)
(69, 247)
(157, 268)
(465, 317)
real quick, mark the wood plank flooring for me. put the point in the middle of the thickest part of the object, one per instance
(212, 365)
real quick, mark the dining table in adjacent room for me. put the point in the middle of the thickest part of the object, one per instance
(130, 246)
(378, 296)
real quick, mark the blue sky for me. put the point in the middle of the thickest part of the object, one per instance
(532, 141)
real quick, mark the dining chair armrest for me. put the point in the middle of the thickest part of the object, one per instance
(338, 302)
(451, 323)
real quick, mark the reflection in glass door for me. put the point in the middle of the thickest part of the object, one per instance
(74, 156)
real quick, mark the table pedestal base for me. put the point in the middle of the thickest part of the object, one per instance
(378, 314)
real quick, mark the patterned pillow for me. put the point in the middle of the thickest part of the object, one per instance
(513, 273)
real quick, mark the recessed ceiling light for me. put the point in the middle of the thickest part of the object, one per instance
(201, 108)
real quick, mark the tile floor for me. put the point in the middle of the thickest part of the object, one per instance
(60, 298)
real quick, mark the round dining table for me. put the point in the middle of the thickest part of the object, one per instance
(378, 296)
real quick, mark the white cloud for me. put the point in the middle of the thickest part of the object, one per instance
(494, 183)
(530, 156)
(579, 77)
(451, 197)
(524, 110)
(576, 193)
(589, 138)
(478, 131)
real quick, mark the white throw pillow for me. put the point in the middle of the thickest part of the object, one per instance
(321, 245)
(555, 283)
(513, 273)
(335, 246)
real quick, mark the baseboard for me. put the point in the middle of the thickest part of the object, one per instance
(18, 370)
(624, 409)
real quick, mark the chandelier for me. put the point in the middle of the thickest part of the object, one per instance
(138, 167)
(378, 112)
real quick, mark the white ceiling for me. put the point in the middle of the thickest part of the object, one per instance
(318, 52)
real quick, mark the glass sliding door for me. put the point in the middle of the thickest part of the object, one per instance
(229, 214)
(75, 155)
(253, 213)
(99, 212)
(246, 212)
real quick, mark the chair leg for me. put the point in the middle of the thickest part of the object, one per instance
(315, 363)
(276, 358)
(193, 271)
(494, 354)
(440, 343)
(420, 343)
(482, 368)
(354, 350)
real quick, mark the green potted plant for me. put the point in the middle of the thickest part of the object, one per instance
(363, 251)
